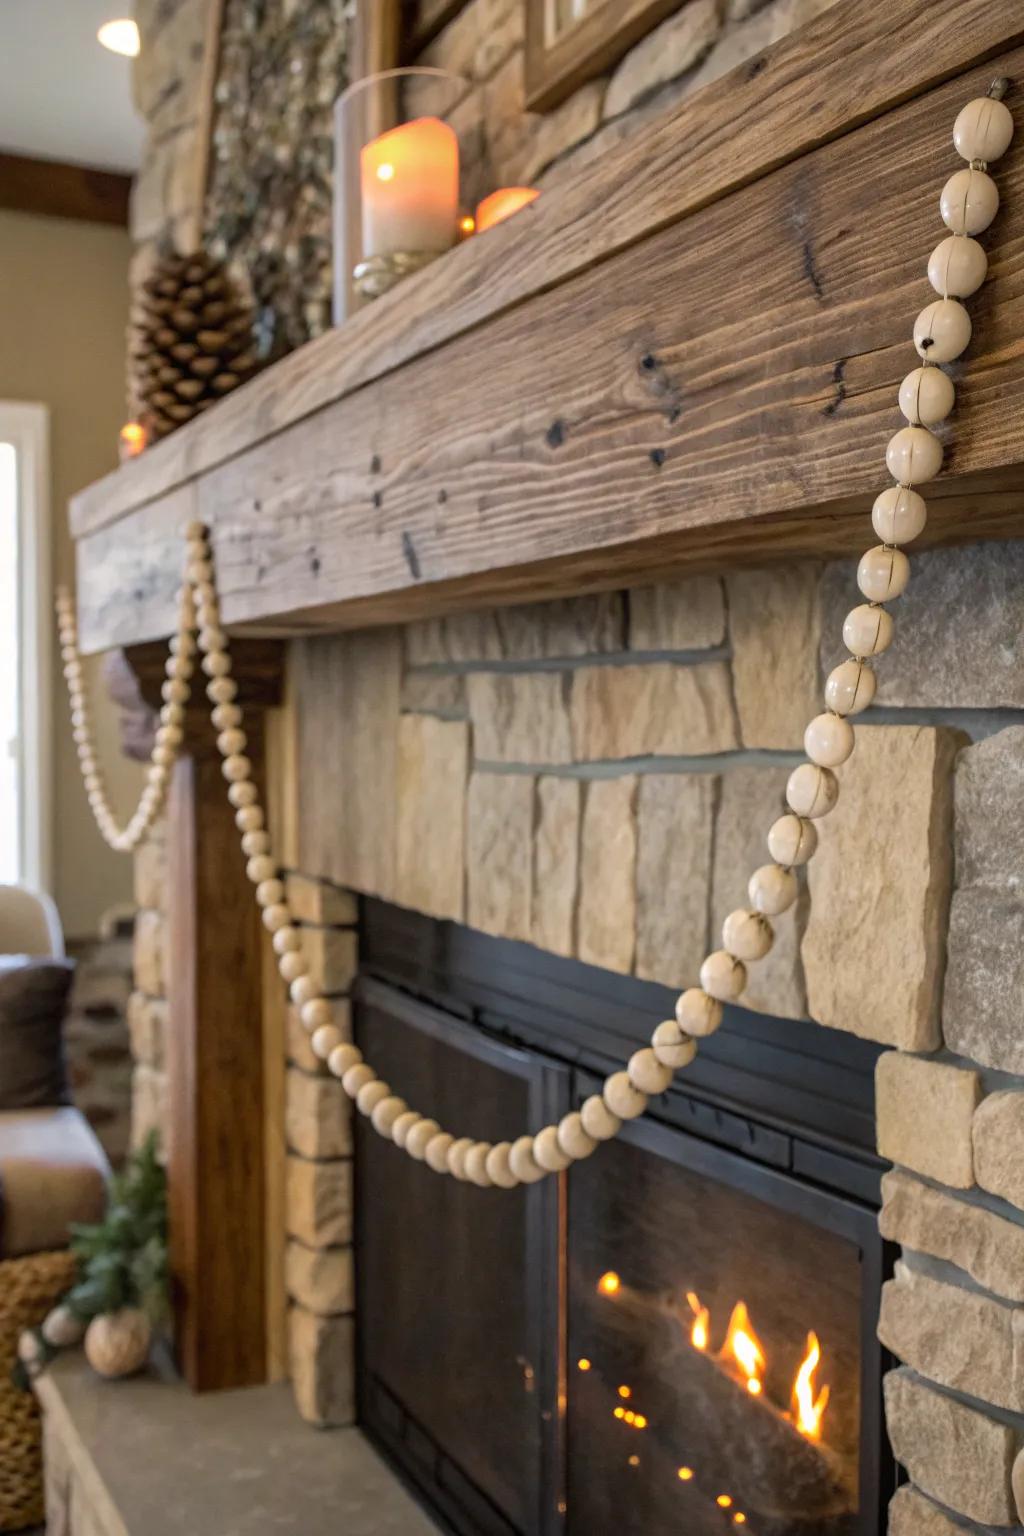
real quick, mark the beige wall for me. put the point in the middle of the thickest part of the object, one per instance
(63, 312)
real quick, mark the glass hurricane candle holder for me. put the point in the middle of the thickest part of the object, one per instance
(396, 181)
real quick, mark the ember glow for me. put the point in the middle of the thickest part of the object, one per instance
(701, 1319)
(808, 1410)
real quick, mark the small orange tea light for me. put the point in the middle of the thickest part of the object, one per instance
(131, 440)
(502, 205)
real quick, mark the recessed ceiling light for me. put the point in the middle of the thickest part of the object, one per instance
(120, 36)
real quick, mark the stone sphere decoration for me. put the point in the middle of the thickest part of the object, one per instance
(117, 1343)
(942, 331)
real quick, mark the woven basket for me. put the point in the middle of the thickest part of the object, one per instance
(29, 1287)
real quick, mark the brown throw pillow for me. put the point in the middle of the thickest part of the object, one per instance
(33, 1000)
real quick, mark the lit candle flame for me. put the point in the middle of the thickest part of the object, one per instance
(742, 1343)
(609, 1283)
(809, 1410)
(701, 1322)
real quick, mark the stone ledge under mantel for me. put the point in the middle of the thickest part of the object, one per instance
(145, 1457)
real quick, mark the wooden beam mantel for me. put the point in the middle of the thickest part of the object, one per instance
(687, 356)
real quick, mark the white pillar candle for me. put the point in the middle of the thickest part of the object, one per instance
(410, 189)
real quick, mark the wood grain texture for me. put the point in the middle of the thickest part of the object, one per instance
(57, 190)
(215, 1165)
(662, 411)
(819, 83)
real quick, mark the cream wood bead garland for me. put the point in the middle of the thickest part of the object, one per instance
(968, 204)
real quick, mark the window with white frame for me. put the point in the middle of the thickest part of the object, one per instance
(25, 646)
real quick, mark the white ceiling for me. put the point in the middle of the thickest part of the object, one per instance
(62, 96)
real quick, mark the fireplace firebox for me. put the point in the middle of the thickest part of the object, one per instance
(680, 1336)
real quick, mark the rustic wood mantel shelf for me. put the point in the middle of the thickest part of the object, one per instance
(685, 357)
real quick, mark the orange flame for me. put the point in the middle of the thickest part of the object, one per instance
(808, 1410)
(701, 1321)
(743, 1344)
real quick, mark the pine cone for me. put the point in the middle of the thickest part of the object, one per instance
(192, 341)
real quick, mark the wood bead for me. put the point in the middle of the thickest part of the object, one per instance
(276, 917)
(598, 1120)
(357, 1077)
(573, 1139)
(792, 840)
(303, 990)
(914, 454)
(242, 794)
(983, 129)
(747, 935)
(883, 573)
(849, 689)
(927, 396)
(226, 716)
(457, 1156)
(436, 1155)
(672, 1047)
(222, 690)
(286, 939)
(697, 1013)
(969, 202)
(217, 664)
(270, 893)
(325, 1040)
(249, 818)
(476, 1164)
(418, 1136)
(622, 1098)
(371, 1094)
(261, 867)
(174, 691)
(385, 1112)
(647, 1073)
(957, 267)
(292, 965)
(403, 1125)
(255, 843)
(236, 768)
(941, 332)
(230, 743)
(867, 631)
(497, 1166)
(522, 1162)
(547, 1154)
(828, 740)
(722, 976)
(812, 790)
(315, 1014)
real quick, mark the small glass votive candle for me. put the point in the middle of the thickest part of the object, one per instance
(396, 181)
(502, 205)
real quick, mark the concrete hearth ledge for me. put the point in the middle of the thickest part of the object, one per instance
(150, 1458)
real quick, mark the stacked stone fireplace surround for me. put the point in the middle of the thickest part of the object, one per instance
(595, 776)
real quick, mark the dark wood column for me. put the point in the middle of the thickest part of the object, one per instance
(215, 1064)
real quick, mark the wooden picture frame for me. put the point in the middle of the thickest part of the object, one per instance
(557, 66)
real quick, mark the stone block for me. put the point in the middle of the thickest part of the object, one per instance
(749, 800)
(333, 955)
(520, 717)
(552, 134)
(435, 693)
(983, 999)
(299, 1050)
(974, 592)
(675, 820)
(433, 766)
(573, 626)
(653, 709)
(607, 900)
(322, 1366)
(148, 955)
(687, 615)
(321, 1279)
(556, 864)
(988, 827)
(998, 1133)
(499, 854)
(318, 1202)
(149, 1108)
(423, 643)
(924, 1111)
(150, 870)
(313, 900)
(147, 1027)
(879, 883)
(983, 1244)
(167, 74)
(670, 50)
(956, 1337)
(911, 1514)
(959, 1456)
(317, 1115)
(775, 628)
